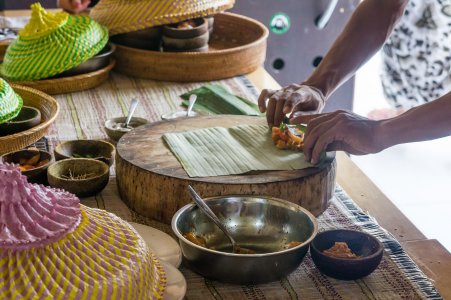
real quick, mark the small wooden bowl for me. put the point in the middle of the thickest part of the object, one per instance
(186, 39)
(115, 133)
(368, 249)
(27, 118)
(96, 149)
(69, 174)
(37, 174)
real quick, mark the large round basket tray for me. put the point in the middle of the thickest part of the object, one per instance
(238, 46)
(49, 111)
(153, 183)
(69, 84)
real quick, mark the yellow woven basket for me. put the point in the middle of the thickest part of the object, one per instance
(52, 43)
(10, 102)
(49, 110)
(122, 16)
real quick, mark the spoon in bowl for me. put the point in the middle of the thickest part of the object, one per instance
(133, 106)
(211, 215)
(192, 100)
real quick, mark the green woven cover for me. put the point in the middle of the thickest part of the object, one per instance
(46, 55)
(10, 102)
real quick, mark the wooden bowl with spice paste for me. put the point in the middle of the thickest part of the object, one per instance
(346, 254)
(32, 162)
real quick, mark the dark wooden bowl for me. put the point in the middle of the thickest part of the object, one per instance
(37, 174)
(148, 39)
(27, 118)
(96, 149)
(68, 174)
(367, 247)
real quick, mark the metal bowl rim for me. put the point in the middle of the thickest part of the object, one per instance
(192, 204)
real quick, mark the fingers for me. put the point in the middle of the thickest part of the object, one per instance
(302, 117)
(275, 106)
(319, 135)
(264, 95)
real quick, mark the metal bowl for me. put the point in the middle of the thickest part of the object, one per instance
(263, 224)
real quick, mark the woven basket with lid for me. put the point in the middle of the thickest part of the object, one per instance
(52, 43)
(10, 102)
(122, 16)
(52, 247)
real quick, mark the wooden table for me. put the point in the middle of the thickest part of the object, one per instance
(432, 258)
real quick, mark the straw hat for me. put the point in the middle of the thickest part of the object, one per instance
(10, 102)
(52, 247)
(122, 16)
(52, 43)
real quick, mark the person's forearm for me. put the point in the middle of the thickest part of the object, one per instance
(426, 122)
(363, 35)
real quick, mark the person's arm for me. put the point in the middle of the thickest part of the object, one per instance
(73, 6)
(347, 131)
(364, 34)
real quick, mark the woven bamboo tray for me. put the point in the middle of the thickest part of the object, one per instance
(237, 46)
(49, 111)
(70, 84)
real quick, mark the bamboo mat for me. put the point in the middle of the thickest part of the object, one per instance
(82, 116)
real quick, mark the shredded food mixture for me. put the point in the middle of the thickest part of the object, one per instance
(340, 249)
(288, 137)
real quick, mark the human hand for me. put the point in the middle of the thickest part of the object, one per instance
(294, 99)
(340, 130)
(73, 6)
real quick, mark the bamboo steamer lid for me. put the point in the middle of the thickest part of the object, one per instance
(55, 247)
(122, 16)
(10, 102)
(52, 43)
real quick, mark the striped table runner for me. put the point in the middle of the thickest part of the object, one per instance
(82, 116)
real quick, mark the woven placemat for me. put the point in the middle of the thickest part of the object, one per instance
(82, 116)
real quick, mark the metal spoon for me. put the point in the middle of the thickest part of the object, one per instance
(192, 100)
(133, 106)
(204, 207)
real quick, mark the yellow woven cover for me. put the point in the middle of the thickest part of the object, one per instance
(52, 43)
(10, 102)
(51, 247)
(121, 16)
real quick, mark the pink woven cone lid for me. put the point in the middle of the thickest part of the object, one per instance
(33, 215)
(122, 16)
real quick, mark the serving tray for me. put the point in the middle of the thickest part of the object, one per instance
(49, 111)
(69, 84)
(237, 46)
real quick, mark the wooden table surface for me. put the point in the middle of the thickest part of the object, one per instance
(429, 254)
(432, 258)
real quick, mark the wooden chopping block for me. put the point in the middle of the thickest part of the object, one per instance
(152, 182)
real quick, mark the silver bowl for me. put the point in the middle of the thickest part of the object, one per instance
(263, 224)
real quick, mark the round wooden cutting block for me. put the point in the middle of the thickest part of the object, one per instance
(153, 183)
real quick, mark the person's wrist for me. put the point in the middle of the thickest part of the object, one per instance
(382, 136)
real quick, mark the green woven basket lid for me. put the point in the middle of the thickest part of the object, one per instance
(10, 102)
(52, 43)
